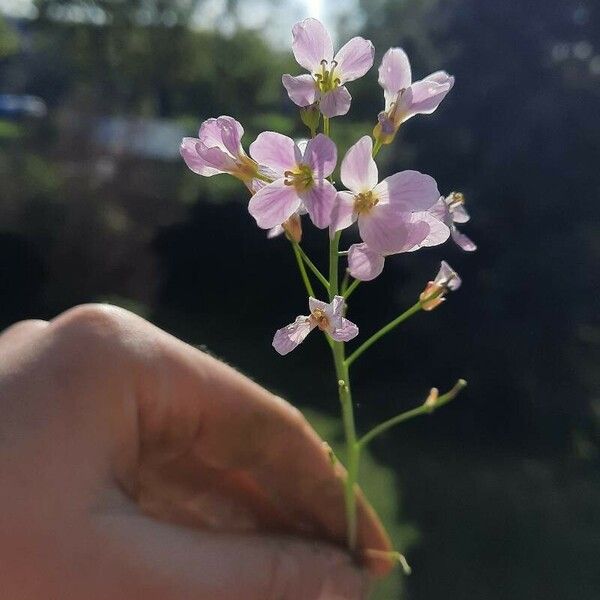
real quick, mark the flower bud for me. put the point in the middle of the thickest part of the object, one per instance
(432, 296)
(293, 228)
(311, 116)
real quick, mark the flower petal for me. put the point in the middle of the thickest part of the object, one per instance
(438, 233)
(311, 44)
(463, 241)
(314, 304)
(359, 170)
(354, 59)
(275, 232)
(424, 96)
(459, 214)
(363, 263)
(231, 135)
(320, 155)
(410, 190)
(274, 204)
(276, 151)
(385, 229)
(343, 214)
(394, 73)
(193, 160)
(289, 337)
(448, 277)
(319, 200)
(216, 158)
(345, 332)
(336, 102)
(302, 89)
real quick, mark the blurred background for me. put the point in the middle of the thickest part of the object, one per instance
(495, 497)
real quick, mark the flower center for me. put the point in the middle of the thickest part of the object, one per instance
(364, 202)
(247, 168)
(319, 318)
(301, 177)
(326, 79)
(455, 199)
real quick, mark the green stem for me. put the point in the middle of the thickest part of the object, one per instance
(345, 395)
(425, 409)
(386, 329)
(311, 266)
(326, 126)
(376, 148)
(333, 265)
(351, 288)
(303, 272)
(352, 446)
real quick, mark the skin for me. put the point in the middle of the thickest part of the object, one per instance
(133, 466)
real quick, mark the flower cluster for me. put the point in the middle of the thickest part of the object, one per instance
(286, 178)
(397, 214)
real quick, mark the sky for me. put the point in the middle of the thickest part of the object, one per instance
(273, 19)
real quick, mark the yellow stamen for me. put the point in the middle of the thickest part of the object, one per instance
(364, 202)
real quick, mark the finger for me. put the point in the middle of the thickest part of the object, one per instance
(177, 564)
(234, 425)
(195, 422)
(21, 331)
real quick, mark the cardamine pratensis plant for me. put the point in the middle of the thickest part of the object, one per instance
(288, 179)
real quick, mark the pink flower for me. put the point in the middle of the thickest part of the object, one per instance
(442, 218)
(384, 211)
(299, 179)
(313, 50)
(218, 149)
(327, 317)
(446, 280)
(403, 98)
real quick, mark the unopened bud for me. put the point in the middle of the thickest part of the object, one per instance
(432, 398)
(311, 116)
(293, 228)
(432, 296)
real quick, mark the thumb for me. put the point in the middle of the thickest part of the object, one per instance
(175, 563)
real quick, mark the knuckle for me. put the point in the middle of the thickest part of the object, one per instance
(92, 324)
(25, 327)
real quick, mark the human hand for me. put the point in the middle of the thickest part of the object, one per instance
(133, 466)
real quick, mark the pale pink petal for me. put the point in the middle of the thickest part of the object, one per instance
(410, 190)
(463, 241)
(394, 73)
(363, 263)
(345, 332)
(359, 170)
(219, 159)
(441, 212)
(447, 277)
(385, 229)
(274, 150)
(311, 44)
(302, 89)
(211, 133)
(319, 200)
(424, 96)
(441, 77)
(193, 160)
(275, 232)
(336, 102)
(343, 214)
(231, 135)
(274, 204)
(335, 312)
(289, 337)
(459, 214)
(354, 59)
(320, 155)
(438, 232)
(314, 304)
